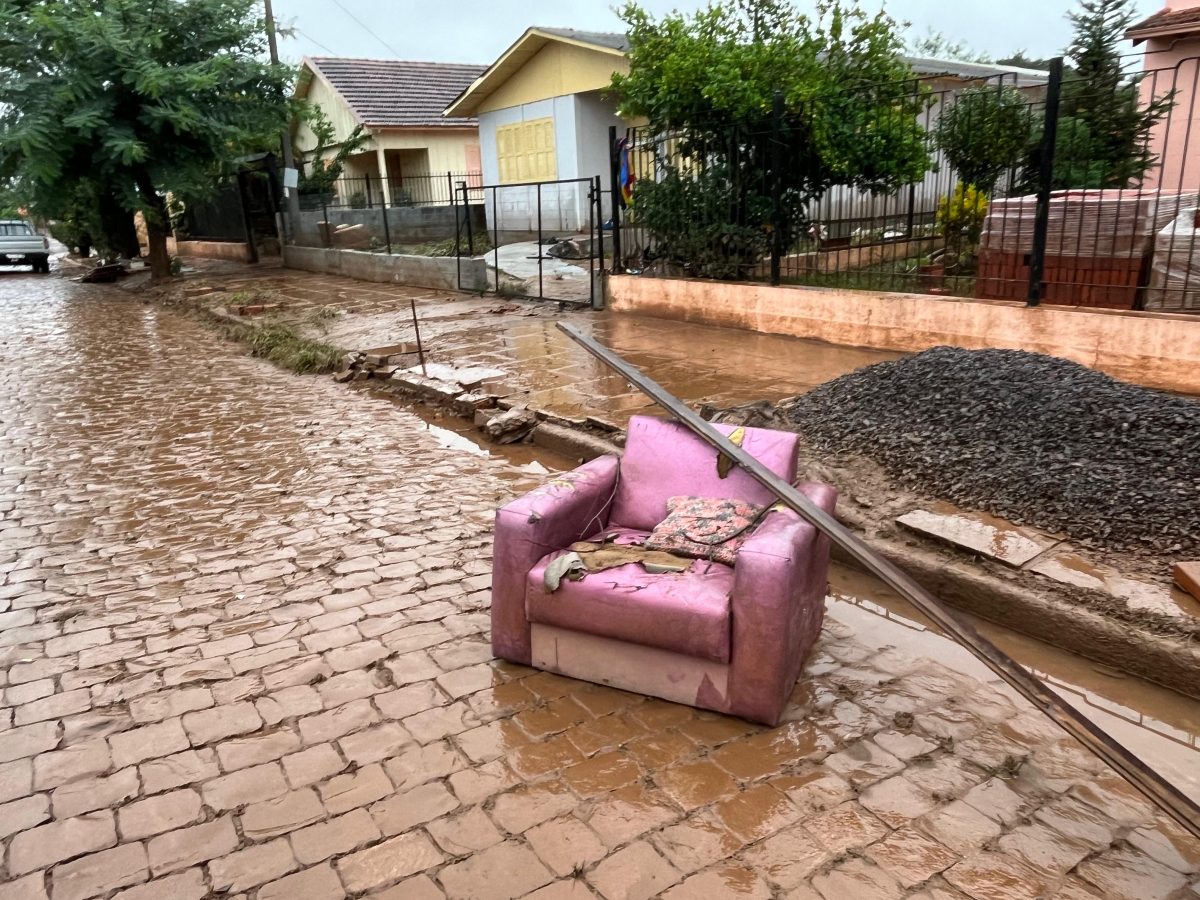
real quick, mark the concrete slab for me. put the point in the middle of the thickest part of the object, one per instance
(979, 533)
(468, 376)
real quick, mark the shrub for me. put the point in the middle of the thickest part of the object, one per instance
(985, 133)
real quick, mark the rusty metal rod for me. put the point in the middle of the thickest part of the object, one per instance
(1153, 786)
(417, 330)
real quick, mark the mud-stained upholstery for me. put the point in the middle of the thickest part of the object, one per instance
(755, 622)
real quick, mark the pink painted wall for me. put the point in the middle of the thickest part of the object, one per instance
(1173, 62)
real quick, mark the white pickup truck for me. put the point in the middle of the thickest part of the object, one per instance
(20, 245)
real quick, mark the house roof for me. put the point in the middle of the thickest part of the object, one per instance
(953, 68)
(524, 49)
(1165, 22)
(393, 93)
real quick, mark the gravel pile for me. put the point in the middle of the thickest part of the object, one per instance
(1032, 438)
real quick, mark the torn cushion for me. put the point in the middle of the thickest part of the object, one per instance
(705, 528)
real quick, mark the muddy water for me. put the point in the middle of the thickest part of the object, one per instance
(1159, 725)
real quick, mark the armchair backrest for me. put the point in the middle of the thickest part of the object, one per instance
(663, 460)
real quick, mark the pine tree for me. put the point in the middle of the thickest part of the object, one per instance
(1104, 126)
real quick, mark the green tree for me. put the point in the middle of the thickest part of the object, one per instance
(137, 97)
(706, 83)
(984, 133)
(318, 175)
(935, 45)
(1105, 126)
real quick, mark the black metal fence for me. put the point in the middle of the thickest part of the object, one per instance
(372, 191)
(540, 240)
(1077, 189)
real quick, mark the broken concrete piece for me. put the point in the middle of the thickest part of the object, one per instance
(1068, 567)
(1187, 576)
(469, 377)
(433, 388)
(511, 426)
(980, 533)
(572, 443)
(343, 376)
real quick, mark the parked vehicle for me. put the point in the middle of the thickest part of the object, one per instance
(20, 245)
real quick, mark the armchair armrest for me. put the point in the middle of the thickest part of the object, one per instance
(779, 589)
(566, 509)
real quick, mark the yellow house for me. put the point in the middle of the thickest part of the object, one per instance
(543, 117)
(412, 146)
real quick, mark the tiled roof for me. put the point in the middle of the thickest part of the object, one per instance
(1167, 20)
(396, 93)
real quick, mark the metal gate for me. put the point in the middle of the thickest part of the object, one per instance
(540, 240)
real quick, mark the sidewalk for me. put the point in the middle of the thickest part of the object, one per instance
(542, 367)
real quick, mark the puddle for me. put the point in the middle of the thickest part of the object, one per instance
(1159, 725)
(456, 433)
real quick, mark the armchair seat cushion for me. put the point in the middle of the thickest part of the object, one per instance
(687, 612)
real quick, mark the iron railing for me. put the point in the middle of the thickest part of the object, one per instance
(372, 191)
(1069, 212)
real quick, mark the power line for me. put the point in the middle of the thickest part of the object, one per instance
(313, 40)
(366, 28)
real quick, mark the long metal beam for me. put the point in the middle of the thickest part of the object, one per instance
(1153, 786)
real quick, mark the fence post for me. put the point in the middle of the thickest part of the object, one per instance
(450, 185)
(368, 182)
(1041, 225)
(387, 234)
(614, 174)
(325, 222)
(247, 224)
(776, 184)
(467, 218)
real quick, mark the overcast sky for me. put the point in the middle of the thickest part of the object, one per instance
(477, 32)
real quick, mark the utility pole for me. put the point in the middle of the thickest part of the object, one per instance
(289, 159)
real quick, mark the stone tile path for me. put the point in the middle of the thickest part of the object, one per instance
(243, 652)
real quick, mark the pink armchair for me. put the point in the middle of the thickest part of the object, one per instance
(728, 639)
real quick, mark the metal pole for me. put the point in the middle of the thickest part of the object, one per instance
(247, 223)
(541, 288)
(368, 178)
(776, 176)
(614, 174)
(417, 331)
(467, 218)
(387, 233)
(1041, 225)
(1152, 785)
(289, 159)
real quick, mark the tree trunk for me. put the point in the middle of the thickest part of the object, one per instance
(157, 227)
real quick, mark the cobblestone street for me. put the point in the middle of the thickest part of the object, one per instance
(244, 652)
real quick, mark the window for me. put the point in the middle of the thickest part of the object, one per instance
(526, 151)
(15, 228)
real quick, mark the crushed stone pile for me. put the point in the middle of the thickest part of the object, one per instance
(1032, 438)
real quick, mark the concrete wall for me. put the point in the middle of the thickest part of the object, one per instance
(439, 273)
(407, 224)
(1158, 350)
(238, 251)
(516, 208)
(1171, 64)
